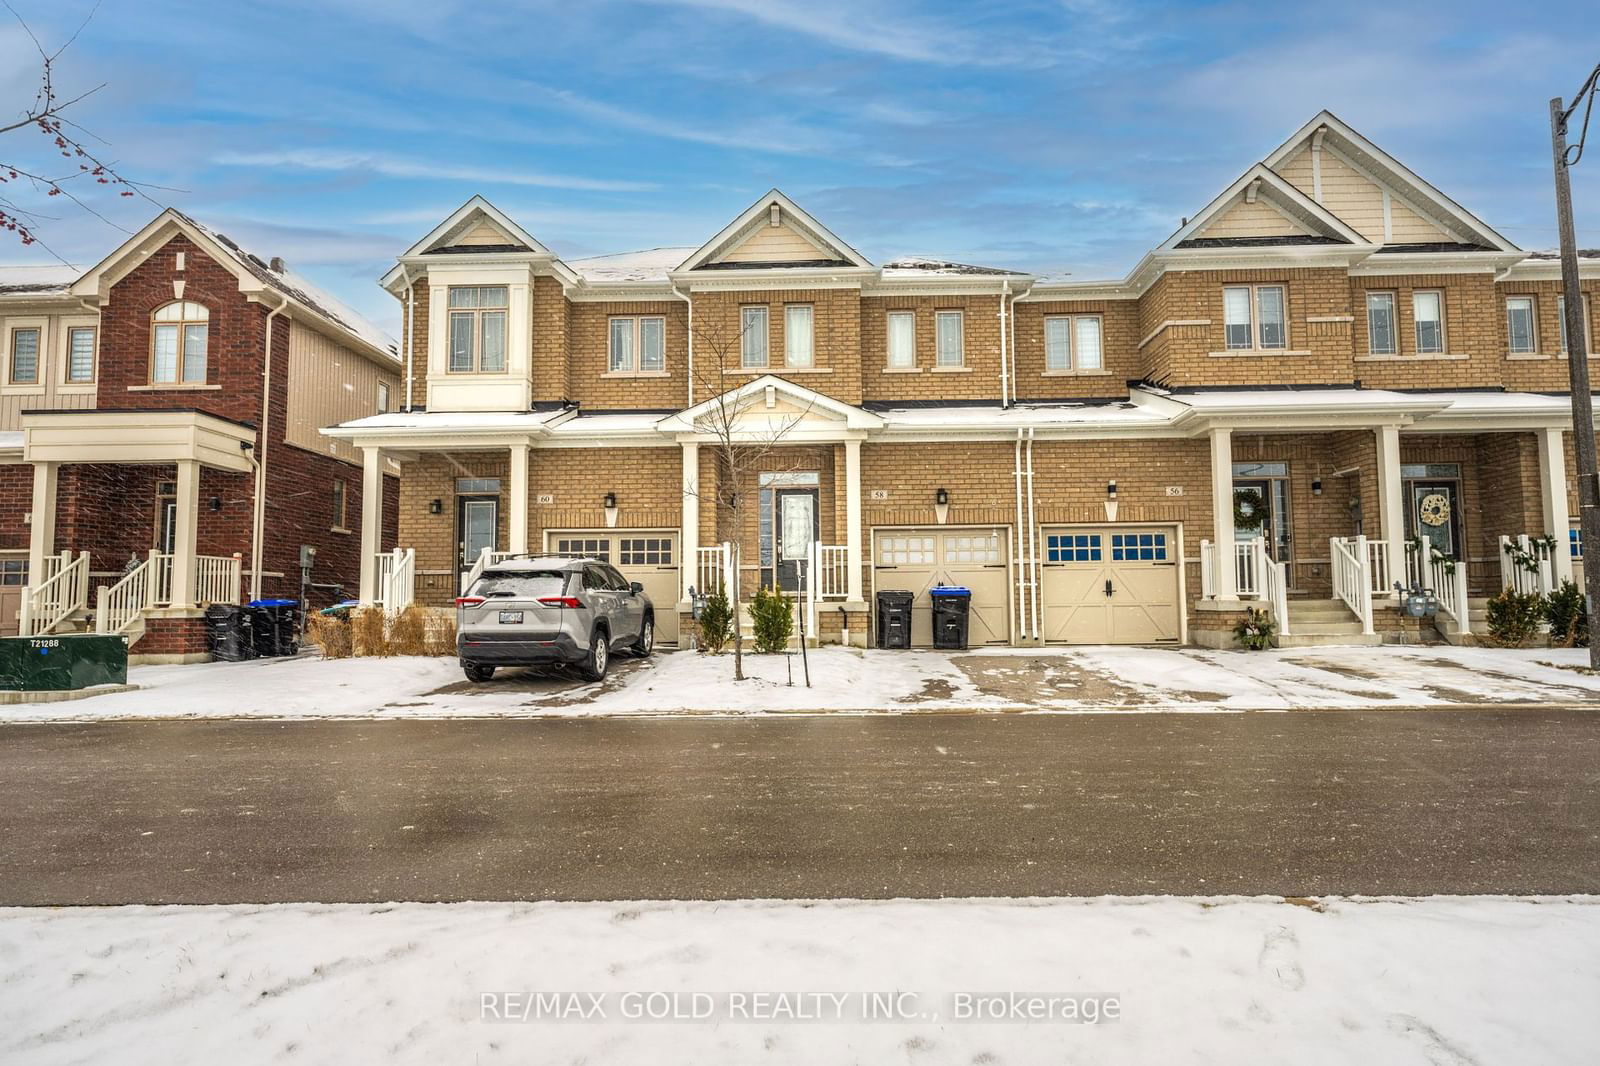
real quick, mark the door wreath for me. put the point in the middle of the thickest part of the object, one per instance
(1249, 509)
(1434, 509)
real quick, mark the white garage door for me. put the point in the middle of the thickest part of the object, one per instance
(1110, 585)
(649, 557)
(916, 560)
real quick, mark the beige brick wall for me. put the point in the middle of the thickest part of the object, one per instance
(836, 331)
(1119, 342)
(1549, 372)
(417, 332)
(550, 323)
(645, 481)
(979, 376)
(593, 384)
(1474, 318)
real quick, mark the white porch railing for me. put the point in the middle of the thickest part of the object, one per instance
(1352, 582)
(1380, 569)
(713, 569)
(1448, 579)
(118, 608)
(1526, 564)
(63, 591)
(485, 558)
(397, 579)
(831, 565)
(1249, 559)
(216, 579)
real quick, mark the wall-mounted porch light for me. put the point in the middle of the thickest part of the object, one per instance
(436, 507)
(1111, 490)
(215, 503)
(1316, 486)
(941, 498)
(610, 502)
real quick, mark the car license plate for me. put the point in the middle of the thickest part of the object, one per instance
(511, 618)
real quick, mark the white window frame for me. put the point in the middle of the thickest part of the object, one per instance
(69, 327)
(480, 314)
(1257, 343)
(755, 336)
(792, 357)
(910, 361)
(636, 328)
(1561, 318)
(940, 362)
(1074, 353)
(191, 315)
(1533, 325)
(1416, 323)
(383, 397)
(1378, 296)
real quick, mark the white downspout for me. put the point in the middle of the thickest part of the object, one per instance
(1005, 290)
(1022, 546)
(1033, 546)
(259, 519)
(409, 340)
(685, 298)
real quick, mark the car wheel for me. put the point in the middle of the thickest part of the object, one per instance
(594, 664)
(647, 639)
(477, 672)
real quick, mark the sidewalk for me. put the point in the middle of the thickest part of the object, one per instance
(1012, 680)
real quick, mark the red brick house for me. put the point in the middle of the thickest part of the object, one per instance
(159, 445)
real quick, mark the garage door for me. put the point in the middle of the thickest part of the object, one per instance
(13, 576)
(1110, 585)
(649, 557)
(918, 559)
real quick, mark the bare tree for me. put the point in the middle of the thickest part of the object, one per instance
(745, 443)
(79, 173)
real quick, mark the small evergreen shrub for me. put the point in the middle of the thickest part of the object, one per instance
(1514, 617)
(1255, 630)
(773, 621)
(1567, 611)
(716, 623)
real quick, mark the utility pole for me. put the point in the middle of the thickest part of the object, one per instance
(1583, 445)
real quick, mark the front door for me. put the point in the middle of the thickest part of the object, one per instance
(798, 528)
(1435, 516)
(477, 519)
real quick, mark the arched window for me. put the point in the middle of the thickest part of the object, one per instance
(178, 344)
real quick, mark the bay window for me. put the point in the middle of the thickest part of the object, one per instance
(478, 328)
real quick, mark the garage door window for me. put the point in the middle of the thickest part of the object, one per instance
(905, 551)
(644, 551)
(1072, 547)
(982, 550)
(588, 547)
(1139, 547)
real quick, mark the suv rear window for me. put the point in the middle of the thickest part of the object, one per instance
(526, 585)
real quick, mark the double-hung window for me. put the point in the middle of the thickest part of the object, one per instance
(902, 340)
(478, 328)
(1254, 317)
(339, 503)
(24, 356)
(383, 397)
(1427, 314)
(1561, 314)
(949, 334)
(798, 345)
(1072, 342)
(638, 345)
(80, 355)
(1521, 335)
(179, 341)
(753, 337)
(1380, 323)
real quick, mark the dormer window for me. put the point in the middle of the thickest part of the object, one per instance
(179, 342)
(478, 328)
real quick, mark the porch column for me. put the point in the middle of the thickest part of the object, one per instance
(1553, 495)
(852, 519)
(689, 535)
(185, 537)
(42, 519)
(1391, 501)
(1224, 580)
(371, 522)
(517, 521)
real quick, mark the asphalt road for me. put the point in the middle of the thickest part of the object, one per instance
(1303, 803)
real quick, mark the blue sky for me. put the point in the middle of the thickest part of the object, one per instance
(1062, 135)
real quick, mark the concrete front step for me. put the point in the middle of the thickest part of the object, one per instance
(1316, 640)
(1318, 628)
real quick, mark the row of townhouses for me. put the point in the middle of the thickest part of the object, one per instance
(1331, 379)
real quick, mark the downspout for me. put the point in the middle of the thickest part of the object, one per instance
(411, 329)
(1005, 290)
(258, 524)
(1033, 545)
(685, 298)
(1022, 547)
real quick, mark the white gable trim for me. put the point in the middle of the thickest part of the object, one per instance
(853, 417)
(755, 215)
(1387, 171)
(1281, 196)
(475, 206)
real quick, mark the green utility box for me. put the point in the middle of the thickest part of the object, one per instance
(62, 662)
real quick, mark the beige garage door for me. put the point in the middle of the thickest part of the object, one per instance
(918, 559)
(1110, 585)
(649, 557)
(13, 576)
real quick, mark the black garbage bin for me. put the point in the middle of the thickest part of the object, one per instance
(275, 627)
(229, 632)
(894, 618)
(952, 605)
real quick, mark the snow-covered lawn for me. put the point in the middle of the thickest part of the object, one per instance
(1097, 679)
(1448, 981)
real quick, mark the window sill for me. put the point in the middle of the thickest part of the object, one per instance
(950, 369)
(1076, 374)
(22, 390)
(340, 530)
(1426, 357)
(637, 374)
(902, 370)
(76, 388)
(1233, 353)
(174, 386)
(757, 371)
(1523, 357)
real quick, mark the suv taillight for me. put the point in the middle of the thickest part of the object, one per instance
(570, 602)
(469, 601)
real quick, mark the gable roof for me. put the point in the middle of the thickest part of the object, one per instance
(853, 417)
(1258, 183)
(476, 209)
(758, 214)
(1454, 219)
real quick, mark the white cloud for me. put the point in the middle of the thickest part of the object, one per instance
(335, 161)
(777, 135)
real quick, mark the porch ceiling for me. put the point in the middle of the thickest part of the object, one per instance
(136, 437)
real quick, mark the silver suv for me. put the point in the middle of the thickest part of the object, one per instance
(529, 611)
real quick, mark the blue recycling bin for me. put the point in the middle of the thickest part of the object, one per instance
(952, 607)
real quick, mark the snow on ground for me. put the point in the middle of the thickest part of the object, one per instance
(1098, 679)
(1439, 980)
